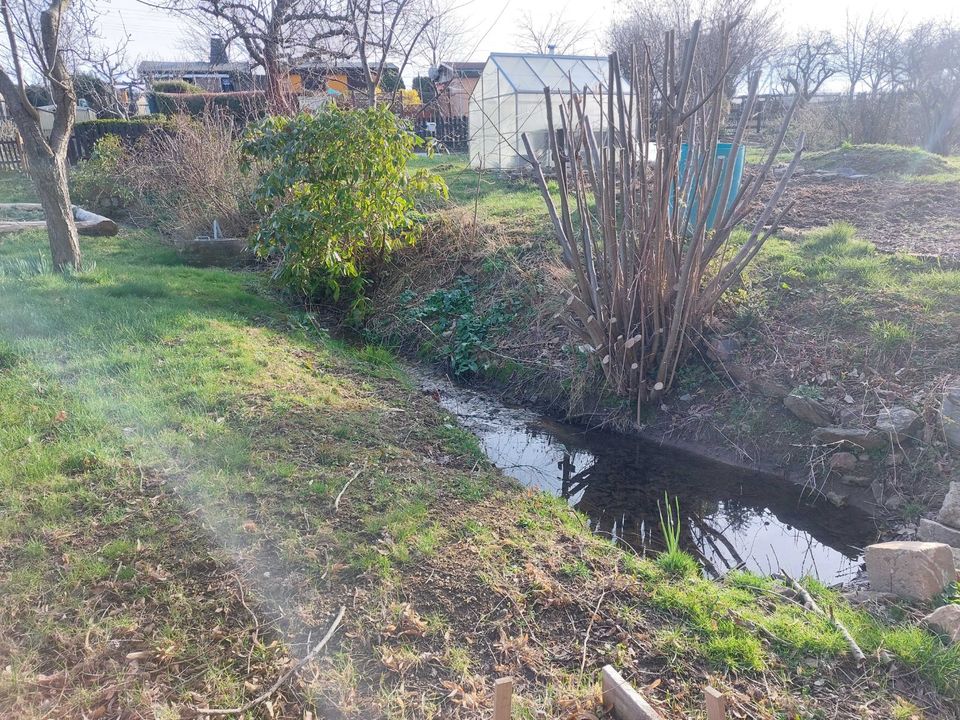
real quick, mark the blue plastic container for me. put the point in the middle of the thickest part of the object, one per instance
(723, 157)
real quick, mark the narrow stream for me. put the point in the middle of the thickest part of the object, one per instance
(729, 518)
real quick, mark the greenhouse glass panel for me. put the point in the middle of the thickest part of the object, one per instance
(508, 101)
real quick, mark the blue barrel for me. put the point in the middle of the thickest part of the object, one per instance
(723, 156)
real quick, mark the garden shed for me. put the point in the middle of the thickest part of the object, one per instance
(508, 101)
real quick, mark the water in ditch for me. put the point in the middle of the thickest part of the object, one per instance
(730, 518)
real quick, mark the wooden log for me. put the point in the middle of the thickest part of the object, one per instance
(502, 698)
(625, 702)
(89, 223)
(716, 704)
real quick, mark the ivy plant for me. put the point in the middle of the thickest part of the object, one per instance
(462, 333)
(335, 195)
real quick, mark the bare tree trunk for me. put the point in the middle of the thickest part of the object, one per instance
(50, 180)
(46, 157)
(279, 100)
(48, 171)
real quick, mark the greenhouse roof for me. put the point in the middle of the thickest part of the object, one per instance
(531, 73)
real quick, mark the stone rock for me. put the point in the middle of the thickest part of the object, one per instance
(808, 410)
(857, 437)
(850, 417)
(835, 498)
(956, 560)
(894, 501)
(911, 570)
(898, 422)
(950, 510)
(856, 480)
(945, 621)
(950, 415)
(769, 388)
(862, 597)
(841, 461)
(932, 531)
(725, 349)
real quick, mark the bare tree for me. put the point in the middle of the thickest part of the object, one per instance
(271, 32)
(379, 31)
(753, 27)
(869, 58)
(38, 37)
(107, 68)
(443, 37)
(553, 33)
(808, 63)
(930, 75)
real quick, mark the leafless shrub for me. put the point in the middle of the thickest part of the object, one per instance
(648, 269)
(186, 179)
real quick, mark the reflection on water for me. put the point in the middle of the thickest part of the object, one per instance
(729, 519)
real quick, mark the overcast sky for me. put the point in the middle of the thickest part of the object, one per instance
(159, 35)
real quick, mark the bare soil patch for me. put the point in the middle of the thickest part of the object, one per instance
(910, 216)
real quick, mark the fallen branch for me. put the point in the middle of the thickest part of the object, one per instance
(810, 604)
(283, 678)
(336, 503)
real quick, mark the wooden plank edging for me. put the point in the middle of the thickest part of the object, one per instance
(625, 702)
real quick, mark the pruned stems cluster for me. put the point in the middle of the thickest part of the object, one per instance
(648, 262)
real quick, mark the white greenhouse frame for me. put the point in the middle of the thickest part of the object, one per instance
(508, 101)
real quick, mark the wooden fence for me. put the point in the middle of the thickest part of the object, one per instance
(11, 155)
(452, 132)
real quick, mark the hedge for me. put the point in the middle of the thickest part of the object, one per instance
(87, 133)
(242, 106)
(177, 87)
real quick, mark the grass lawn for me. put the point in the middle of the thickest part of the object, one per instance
(196, 476)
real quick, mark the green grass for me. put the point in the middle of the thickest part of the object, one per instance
(514, 204)
(171, 433)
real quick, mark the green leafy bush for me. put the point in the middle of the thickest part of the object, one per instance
(97, 183)
(179, 87)
(335, 196)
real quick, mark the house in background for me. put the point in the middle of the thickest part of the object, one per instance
(217, 74)
(455, 82)
(338, 79)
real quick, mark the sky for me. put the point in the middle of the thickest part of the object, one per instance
(160, 35)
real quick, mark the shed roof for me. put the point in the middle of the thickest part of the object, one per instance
(531, 73)
(151, 67)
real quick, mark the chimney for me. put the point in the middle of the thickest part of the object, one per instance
(551, 49)
(218, 50)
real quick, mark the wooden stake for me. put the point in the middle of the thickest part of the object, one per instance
(716, 704)
(502, 698)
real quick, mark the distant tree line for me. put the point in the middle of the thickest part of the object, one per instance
(886, 75)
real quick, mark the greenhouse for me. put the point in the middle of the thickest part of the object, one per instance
(508, 101)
